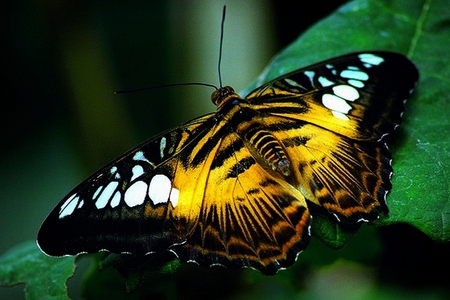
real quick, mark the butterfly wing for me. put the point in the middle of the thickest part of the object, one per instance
(196, 191)
(249, 216)
(124, 207)
(332, 118)
(359, 95)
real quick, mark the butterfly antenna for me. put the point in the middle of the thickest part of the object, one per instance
(222, 25)
(164, 86)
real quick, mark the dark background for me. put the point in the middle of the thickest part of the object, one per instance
(60, 120)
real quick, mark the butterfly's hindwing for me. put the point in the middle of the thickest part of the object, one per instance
(233, 188)
(262, 221)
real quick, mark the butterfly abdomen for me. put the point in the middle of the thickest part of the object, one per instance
(269, 149)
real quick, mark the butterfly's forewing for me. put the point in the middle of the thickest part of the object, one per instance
(332, 118)
(360, 95)
(111, 210)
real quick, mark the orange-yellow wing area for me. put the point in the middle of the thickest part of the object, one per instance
(335, 163)
(349, 179)
(234, 212)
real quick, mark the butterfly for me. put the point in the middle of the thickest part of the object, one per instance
(235, 187)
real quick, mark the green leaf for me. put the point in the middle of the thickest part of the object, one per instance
(421, 30)
(421, 194)
(140, 277)
(44, 277)
(332, 233)
(133, 269)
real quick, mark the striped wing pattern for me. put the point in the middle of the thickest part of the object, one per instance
(232, 188)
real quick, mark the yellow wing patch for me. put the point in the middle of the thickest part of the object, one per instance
(238, 213)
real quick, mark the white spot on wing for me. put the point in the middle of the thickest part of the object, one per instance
(135, 194)
(80, 204)
(335, 103)
(358, 75)
(69, 206)
(137, 171)
(162, 146)
(356, 83)
(292, 82)
(97, 192)
(340, 115)
(346, 92)
(115, 200)
(174, 195)
(310, 75)
(106, 194)
(113, 170)
(371, 59)
(160, 188)
(325, 82)
(140, 156)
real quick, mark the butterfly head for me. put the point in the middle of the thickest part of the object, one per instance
(222, 95)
